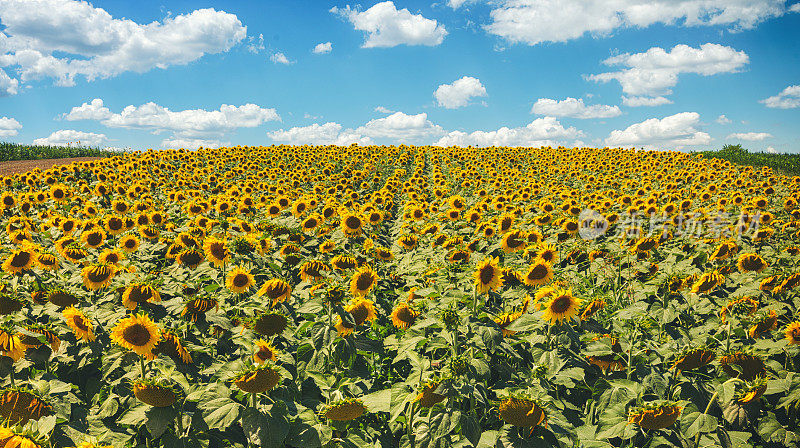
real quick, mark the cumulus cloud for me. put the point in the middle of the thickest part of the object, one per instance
(640, 101)
(722, 119)
(280, 58)
(674, 131)
(535, 21)
(540, 132)
(458, 94)
(64, 39)
(191, 143)
(322, 48)
(750, 136)
(8, 85)
(770, 149)
(401, 127)
(386, 26)
(319, 134)
(656, 71)
(455, 4)
(94, 110)
(789, 98)
(9, 127)
(384, 110)
(574, 108)
(185, 123)
(65, 137)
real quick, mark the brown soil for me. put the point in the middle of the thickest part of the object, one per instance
(21, 166)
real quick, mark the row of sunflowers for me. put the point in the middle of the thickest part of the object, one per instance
(400, 296)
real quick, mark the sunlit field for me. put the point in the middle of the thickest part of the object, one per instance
(400, 297)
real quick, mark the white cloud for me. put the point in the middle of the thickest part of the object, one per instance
(8, 85)
(401, 127)
(386, 26)
(573, 107)
(9, 127)
(722, 119)
(656, 71)
(673, 131)
(63, 39)
(540, 132)
(770, 149)
(319, 134)
(750, 136)
(535, 21)
(458, 94)
(95, 110)
(455, 4)
(255, 45)
(789, 98)
(646, 101)
(65, 137)
(185, 123)
(280, 58)
(191, 143)
(795, 7)
(322, 48)
(384, 110)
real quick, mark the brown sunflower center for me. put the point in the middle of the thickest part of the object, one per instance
(352, 222)
(136, 335)
(359, 313)
(21, 259)
(241, 280)
(364, 281)
(487, 274)
(561, 304)
(94, 239)
(538, 272)
(218, 251)
(80, 323)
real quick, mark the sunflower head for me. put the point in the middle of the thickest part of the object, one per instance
(137, 333)
(655, 415)
(344, 410)
(17, 406)
(269, 323)
(488, 276)
(159, 394)
(362, 281)
(239, 280)
(256, 380)
(560, 306)
(403, 316)
(523, 412)
(276, 290)
(98, 276)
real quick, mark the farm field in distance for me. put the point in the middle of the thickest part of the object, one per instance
(400, 296)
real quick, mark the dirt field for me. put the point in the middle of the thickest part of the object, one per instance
(21, 166)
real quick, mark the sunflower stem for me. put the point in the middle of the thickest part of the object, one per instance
(141, 364)
(708, 408)
(547, 339)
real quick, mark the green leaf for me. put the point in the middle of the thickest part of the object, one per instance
(268, 429)
(133, 416)
(380, 401)
(696, 422)
(470, 429)
(221, 412)
(159, 419)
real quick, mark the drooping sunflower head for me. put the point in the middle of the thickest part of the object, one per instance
(98, 276)
(523, 412)
(655, 415)
(488, 276)
(361, 311)
(137, 333)
(258, 379)
(159, 394)
(793, 333)
(312, 270)
(539, 273)
(138, 293)
(707, 282)
(198, 306)
(17, 406)
(171, 346)
(513, 241)
(344, 410)
(763, 323)
(18, 437)
(749, 365)
(694, 358)
(561, 306)
(362, 281)
(750, 391)
(749, 262)
(403, 316)
(269, 323)
(276, 289)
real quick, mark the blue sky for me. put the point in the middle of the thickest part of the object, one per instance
(666, 74)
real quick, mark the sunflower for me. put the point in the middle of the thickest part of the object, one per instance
(19, 260)
(694, 359)
(111, 256)
(707, 282)
(384, 254)
(521, 411)
(561, 306)
(171, 346)
(403, 316)
(277, 290)
(11, 345)
(427, 396)
(763, 324)
(239, 280)
(61, 298)
(362, 281)
(93, 238)
(156, 395)
(197, 307)
(408, 242)
(258, 379)
(326, 246)
(506, 319)
(269, 324)
(744, 306)
(17, 406)
(344, 410)
(539, 273)
(98, 276)
(264, 351)
(593, 308)
(80, 325)
(137, 333)
(138, 293)
(311, 223)
(47, 261)
(75, 253)
(547, 252)
(361, 310)
(351, 224)
(653, 416)
(312, 270)
(190, 257)
(793, 333)
(513, 241)
(13, 437)
(750, 366)
(488, 276)
(216, 251)
(751, 263)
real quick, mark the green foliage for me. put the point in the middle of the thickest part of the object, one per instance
(788, 163)
(16, 151)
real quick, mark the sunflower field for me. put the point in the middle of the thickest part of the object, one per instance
(400, 296)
